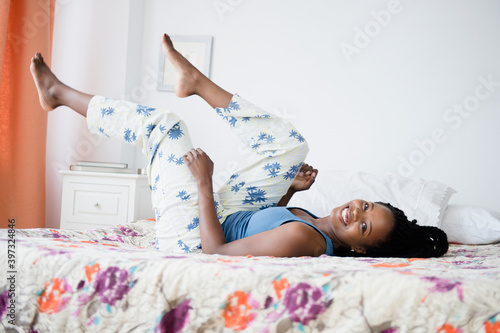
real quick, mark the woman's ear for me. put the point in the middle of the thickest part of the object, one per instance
(359, 249)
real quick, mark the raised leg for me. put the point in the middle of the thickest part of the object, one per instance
(278, 148)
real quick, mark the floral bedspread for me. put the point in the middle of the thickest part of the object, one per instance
(113, 280)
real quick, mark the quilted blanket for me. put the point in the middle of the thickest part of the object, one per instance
(114, 280)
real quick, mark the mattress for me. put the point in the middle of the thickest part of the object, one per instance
(114, 280)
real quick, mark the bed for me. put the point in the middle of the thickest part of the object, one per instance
(114, 280)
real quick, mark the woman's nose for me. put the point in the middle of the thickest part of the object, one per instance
(357, 213)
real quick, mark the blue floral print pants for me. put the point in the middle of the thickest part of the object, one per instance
(278, 150)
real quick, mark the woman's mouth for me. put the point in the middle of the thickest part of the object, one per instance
(344, 216)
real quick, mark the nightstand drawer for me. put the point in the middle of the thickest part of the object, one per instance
(93, 200)
(97, 203)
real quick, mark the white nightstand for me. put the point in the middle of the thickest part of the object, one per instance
(94, 199)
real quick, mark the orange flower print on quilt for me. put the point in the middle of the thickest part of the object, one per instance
(236, 312)
(52, 299)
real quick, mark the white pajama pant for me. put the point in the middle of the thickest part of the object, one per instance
(279, 150)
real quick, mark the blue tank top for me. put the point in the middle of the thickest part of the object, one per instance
(247, 223)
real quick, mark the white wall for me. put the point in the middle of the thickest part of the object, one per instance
(89, 53)
(364, 114)
(368, 111)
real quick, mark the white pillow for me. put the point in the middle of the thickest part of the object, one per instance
(471, 225)
(420, 199)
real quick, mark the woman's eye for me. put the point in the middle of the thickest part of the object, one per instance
(363, 227)
(366, 206)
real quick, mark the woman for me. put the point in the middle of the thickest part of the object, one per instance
(247, 216)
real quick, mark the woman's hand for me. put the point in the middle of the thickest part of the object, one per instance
(304, 178)
(200, 165)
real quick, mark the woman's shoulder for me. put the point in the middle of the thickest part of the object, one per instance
(303, 235)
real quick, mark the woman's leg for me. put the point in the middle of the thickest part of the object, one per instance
(279, 148)
(161, 135)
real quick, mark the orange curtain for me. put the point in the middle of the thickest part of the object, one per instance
(25, 28)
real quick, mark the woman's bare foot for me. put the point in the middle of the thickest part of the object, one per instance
(187, 77)
(47, 84)
(190, 81)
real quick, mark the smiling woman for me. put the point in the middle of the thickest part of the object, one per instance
(376, 222)
(403, 238)
(247, 215)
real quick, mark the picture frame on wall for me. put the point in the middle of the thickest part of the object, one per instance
(196, 49)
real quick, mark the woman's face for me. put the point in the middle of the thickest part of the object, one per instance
(360, 225)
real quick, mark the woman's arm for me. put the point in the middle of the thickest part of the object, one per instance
(201, 167)
(302, 181)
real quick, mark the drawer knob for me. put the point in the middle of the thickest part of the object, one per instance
(96, 205)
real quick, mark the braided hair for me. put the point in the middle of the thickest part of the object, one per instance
(407, 240)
